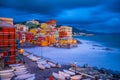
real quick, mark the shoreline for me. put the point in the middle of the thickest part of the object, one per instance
(87, 47)
(43, 74)
(85, 71)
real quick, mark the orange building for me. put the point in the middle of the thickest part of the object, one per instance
(7, 42)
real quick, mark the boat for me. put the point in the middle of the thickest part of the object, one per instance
(31, 78)
(83, 74)
(29, 56)
(20, 73)
(18, 67)
(47, 66)
(7, 79)
(24, 76)
(34, 58)
(64, 74)
(25, 54)
(6, 71)
(58, 76)
(69, 72)
(59, 65)
(15, 65)
(6, 75)
(42, 62)
(76, 77)
(52, 64)
(41, 66)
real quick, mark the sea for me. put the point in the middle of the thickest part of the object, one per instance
(107, 40)
(83, 55)
(112, 60)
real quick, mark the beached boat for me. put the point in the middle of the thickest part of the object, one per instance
(52, 64)
(6, 75)
(47, 66)
(64, 74)
(59, 65)
(15, 65)
(58, 76)
(24, 76)
(76, 77)
(41, 66)
(31, 78)
(6, 71)
(20, 73)
(18, 67)
(29, 56)
(42, 62)
(69, 72)
(20, 70)
(33, 58)
(83, 74)
(7, 79)
(26, 54)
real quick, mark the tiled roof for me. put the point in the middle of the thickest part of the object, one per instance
(5, 24)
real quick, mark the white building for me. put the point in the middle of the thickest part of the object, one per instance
(34, 22)
(21, 27)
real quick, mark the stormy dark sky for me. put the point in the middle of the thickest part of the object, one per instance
(93, 15)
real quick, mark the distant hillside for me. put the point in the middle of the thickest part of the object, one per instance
(23, 22)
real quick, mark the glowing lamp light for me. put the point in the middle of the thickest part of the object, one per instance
(21, 51)
(21, 41)
(74, 41)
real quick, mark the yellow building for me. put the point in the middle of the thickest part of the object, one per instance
(33, 31)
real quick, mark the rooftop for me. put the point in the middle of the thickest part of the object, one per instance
(5, 24)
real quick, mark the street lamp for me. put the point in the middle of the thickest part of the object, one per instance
(75, 63)
(41, 51)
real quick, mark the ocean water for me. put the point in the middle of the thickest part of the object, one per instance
(107, 40)
(110, 60)
(84, 54)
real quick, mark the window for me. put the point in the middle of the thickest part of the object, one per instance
(8, 45)
(9, 53)
(1, 29)
(8, 36)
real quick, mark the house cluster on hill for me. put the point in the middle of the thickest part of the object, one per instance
(45, 34)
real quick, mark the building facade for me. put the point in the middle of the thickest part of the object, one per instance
(65, 32)
(7, 42)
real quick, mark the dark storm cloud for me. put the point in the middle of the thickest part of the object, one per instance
(112, 5)
(88, 14)
(49, 7)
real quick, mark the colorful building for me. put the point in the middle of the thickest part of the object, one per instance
(34, 22)
(29, 36)
(21, 36)
(65, 35)
(65, 32)
(21, 27)
(7, 42)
